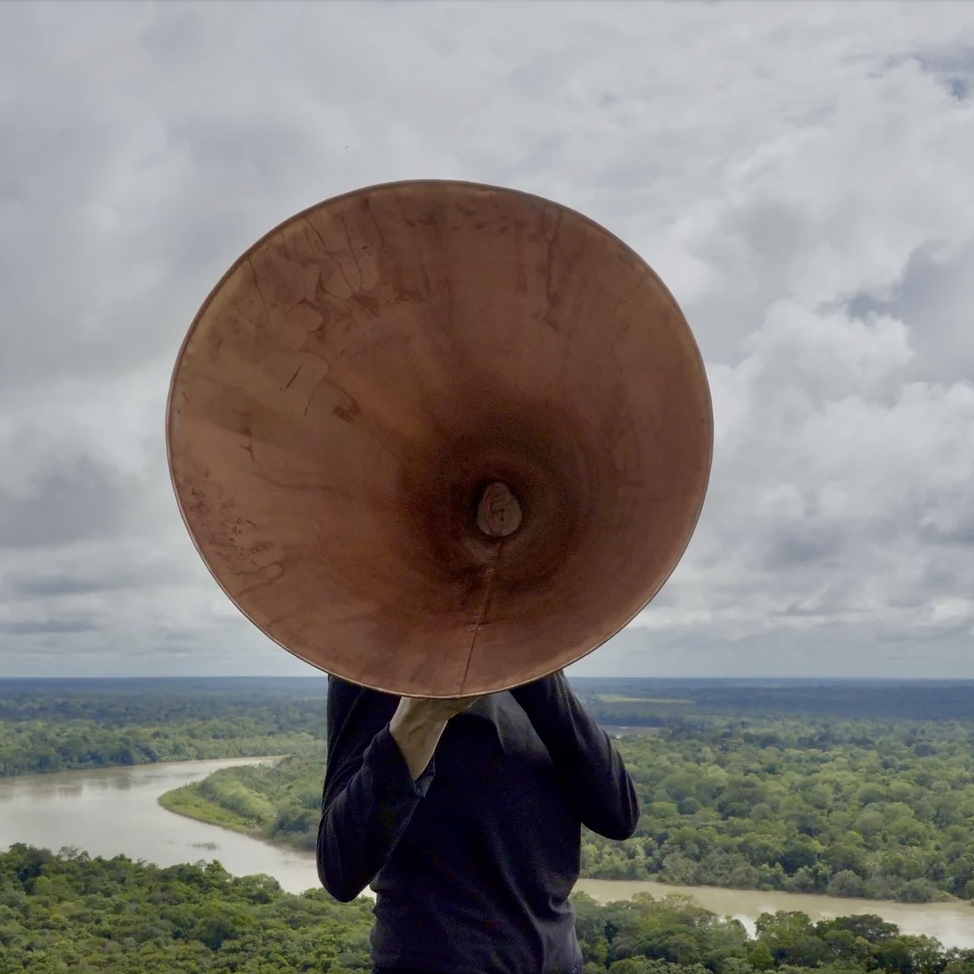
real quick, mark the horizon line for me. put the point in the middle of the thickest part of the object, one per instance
(319, 675)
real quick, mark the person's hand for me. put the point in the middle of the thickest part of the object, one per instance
(417, 725)
(433, 710)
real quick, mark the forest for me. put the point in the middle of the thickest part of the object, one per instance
(67, 725)
(857, 789)
(737, 790)
(72, 724)
(69, 912)
(849, 808)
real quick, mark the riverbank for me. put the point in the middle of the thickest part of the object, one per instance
(188, 802)
(951, 922)
(116, 811)
(726, 901)
(185, 801)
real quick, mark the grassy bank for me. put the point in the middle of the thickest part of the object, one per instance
(189, 802)
(279, 803)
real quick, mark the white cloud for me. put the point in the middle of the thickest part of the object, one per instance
(797, 173)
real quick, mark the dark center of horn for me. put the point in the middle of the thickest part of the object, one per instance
(498, 513)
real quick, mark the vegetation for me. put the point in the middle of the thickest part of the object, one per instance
(691, 703)
(59, 725)
(737, 790)
(63, 725)
(69, 912)
(852, 808)
(280, 803)
(72, 913)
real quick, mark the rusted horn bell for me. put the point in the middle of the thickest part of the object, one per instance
(440, 439)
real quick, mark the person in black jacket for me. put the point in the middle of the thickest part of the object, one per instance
(472, 852)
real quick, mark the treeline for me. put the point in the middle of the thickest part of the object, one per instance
(655, 702)
(37, 748)
(64, 725)
(852, 809)
(884, 811)
(58, 725)
(70, 912)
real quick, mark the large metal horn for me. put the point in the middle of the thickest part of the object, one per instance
(439, 438)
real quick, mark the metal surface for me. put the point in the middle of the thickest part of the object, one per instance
(440, 438)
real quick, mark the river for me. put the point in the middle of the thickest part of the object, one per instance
(113, 811)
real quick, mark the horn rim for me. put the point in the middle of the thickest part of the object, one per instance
(707, 433)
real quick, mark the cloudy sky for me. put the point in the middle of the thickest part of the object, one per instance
(801, 175)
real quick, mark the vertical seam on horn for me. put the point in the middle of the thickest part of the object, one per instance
(480, 617)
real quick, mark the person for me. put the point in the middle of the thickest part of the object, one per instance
(465, 818)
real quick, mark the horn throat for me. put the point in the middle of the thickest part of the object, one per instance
(498, 513)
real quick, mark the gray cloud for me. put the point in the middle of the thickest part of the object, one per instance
(941, 284)
(91, 580)
(63, 503)
(796, 545)
(55, 626)
(42, 586)
(802, 188)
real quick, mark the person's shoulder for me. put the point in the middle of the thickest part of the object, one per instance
(339, 689)
(350, 693)
(357, 710)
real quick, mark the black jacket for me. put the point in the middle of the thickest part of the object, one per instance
(473, 863)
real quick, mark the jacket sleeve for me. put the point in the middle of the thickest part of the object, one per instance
(591, 767)
(368, 796)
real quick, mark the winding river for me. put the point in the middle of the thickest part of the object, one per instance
(113, 811)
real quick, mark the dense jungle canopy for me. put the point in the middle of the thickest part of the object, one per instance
(69, 912)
